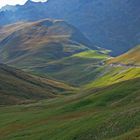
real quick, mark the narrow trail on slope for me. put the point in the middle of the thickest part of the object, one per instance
(125, 65)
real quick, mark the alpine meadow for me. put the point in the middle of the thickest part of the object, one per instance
(70, 70)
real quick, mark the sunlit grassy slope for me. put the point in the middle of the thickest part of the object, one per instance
(111, 113)
(132, 57)
(118, 69)
(91, 54)
(110, 75)
(19, 87)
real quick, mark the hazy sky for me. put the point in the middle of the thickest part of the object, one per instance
(14, 2)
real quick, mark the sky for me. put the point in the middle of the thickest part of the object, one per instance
(14, 2)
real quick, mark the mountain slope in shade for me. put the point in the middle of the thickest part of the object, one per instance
(40, 42)
(132, 57)
(19, 87)
(109, 24)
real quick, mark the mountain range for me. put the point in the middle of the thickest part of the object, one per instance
(50, 47)
(113, 25)
(53, 39)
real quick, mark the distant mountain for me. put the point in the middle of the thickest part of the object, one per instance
(40, 42)
(131, 57)
(109, 24)
(17, 86)
(8, 8)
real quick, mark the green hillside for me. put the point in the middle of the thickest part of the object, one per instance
(19, 87)
(132, 57)
(114, 70)
(111, 113)
(110, 75)
(76, 69)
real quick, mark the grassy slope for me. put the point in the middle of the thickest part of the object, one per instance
(17, 86)
(111, 113)
(5, 31)
(110, 75)
(124, 67)
(77, 69)
(132, 57)
(91, 54)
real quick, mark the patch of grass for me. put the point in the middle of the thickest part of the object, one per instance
(91, 54)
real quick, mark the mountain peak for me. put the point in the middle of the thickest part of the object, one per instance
(29, 2)
(8, 8)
